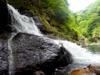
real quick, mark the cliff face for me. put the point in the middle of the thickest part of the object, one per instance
(4, 29)
(4, 17)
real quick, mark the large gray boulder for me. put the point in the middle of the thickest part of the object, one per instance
(40, 52)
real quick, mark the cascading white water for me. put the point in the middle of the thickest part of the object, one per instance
(80, 55)
(27, 25)
(24, 24)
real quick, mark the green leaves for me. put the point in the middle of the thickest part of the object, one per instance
(54, 14)
(89, 20)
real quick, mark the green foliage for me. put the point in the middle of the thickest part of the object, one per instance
(89, 21)
(60, 21)
(54, 14)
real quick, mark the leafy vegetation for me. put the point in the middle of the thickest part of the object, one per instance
(89, 22)
(54, 14)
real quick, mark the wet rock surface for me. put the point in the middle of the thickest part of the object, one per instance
(38, 52)
(3, 57)
(39, 24)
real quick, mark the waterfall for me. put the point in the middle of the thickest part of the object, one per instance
(26, 24)
(23, 23)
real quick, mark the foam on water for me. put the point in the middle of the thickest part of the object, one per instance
(80, 55)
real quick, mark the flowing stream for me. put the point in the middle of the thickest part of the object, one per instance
(80, 55)
(27, 25)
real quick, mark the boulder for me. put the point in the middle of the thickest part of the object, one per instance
(31, 52)
(89, 70)
(95, 69)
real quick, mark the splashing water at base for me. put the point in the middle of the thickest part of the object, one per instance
(80, 55)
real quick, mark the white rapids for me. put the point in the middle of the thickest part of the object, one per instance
(24, 24)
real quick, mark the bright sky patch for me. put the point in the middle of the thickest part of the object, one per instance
(77, 5)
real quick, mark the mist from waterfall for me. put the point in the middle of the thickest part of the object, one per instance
(26, 24)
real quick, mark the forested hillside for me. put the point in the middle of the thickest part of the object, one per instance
(89, 21)
(59, 21)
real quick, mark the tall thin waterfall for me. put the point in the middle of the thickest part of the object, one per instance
(27, 25)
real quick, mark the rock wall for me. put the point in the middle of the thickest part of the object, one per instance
(4, 35)
(5, 19)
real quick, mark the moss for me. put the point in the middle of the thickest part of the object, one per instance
(51, 29)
